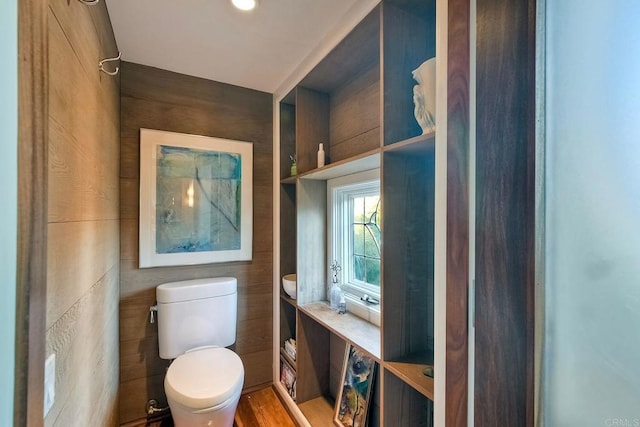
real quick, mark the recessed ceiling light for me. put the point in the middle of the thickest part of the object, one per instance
(245, 4)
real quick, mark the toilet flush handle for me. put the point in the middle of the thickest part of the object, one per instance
(152, 313)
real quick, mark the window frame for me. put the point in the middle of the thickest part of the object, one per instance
(339, 219)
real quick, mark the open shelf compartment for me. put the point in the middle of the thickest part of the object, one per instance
(403, 405)
(323, 357)
(338, 102)
(408, 293)
(288, 365)
(319, 411)
(409, 39)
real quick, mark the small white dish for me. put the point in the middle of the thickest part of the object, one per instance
(289, 284)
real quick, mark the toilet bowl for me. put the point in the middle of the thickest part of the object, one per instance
(203, 387)
(197, 319)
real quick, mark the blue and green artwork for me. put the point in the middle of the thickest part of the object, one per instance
(352, 404)
(198, 200)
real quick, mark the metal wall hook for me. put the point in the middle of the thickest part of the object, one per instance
(101, 65)
(89, 2)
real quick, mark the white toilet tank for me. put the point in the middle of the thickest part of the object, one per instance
(196, 313)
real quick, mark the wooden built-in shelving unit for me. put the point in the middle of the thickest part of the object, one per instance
(358, 102)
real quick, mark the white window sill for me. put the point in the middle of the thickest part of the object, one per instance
(368, 312)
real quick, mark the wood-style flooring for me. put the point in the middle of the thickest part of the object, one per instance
(260, 408)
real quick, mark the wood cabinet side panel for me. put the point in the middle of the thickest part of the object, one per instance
(312, 241)
(458, 81)
(505, 213)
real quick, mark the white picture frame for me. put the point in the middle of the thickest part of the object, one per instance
(196, 199)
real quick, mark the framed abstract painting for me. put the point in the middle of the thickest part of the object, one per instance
(354, 394)
(196, 199)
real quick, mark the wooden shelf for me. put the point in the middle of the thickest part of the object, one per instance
(360, 163)
(289, 180)
(318, 411)
(347, 326)
(412, 374)
(417, 143)
(288, 299)
(288, 358)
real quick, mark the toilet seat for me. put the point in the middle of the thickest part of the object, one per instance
(204, 378)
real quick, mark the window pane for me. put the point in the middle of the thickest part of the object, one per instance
(374, 231)
(365, 250)
(370, 245)
(358, 239)
(359, 268)
(370, 207)
(372, 270)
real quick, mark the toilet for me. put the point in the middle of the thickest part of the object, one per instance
(196, 321)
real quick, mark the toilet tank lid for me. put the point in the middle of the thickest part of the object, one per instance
(188, 290)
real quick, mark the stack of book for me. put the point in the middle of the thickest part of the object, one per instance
(290, 348)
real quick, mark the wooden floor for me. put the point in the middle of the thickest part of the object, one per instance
(260, 408)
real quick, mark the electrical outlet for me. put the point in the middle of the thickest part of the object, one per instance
(49, 383)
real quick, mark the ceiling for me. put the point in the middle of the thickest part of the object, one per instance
(213, 40)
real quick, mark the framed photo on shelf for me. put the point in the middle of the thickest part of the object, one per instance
(352, 402)
(196, 199)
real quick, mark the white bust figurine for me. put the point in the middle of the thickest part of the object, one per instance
(424, 95)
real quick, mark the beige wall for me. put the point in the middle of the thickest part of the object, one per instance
(157, 99)
(83, 216)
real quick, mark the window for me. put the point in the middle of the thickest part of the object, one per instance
(355, 240)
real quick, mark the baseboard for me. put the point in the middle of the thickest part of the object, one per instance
(257, 387)
(285, 404)
(290, 406)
